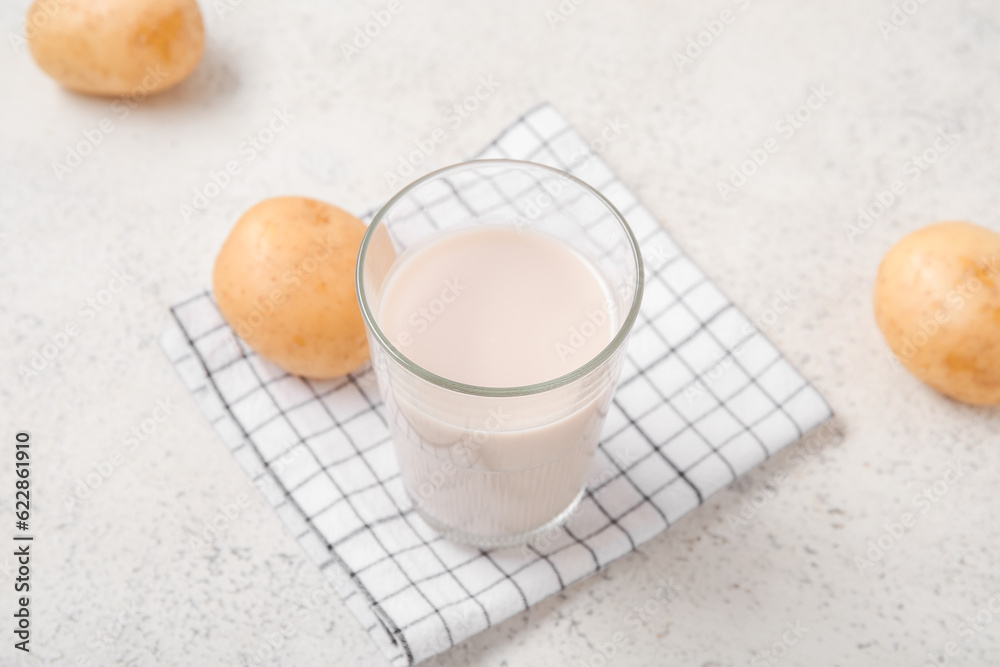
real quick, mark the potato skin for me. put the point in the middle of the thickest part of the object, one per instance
(116, 47)
(284, 280)
(937, 302)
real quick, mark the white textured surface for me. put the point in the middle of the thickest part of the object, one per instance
(130, 541)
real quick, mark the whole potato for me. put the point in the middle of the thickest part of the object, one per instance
(116, 47)
(284, 280)
(937, 302)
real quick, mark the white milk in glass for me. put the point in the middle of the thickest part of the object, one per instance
(494, 306)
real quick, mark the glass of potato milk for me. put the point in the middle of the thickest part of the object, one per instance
(498, 296)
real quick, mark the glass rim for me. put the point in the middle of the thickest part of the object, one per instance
(499, 392)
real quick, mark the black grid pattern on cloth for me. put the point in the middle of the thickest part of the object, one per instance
(704, 397)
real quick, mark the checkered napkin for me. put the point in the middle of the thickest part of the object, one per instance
(704, 397)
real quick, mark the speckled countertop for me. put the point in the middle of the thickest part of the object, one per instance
(116, 578)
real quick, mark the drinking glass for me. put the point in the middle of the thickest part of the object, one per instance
(496, 466)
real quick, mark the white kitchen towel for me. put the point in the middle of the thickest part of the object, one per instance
(704, 397)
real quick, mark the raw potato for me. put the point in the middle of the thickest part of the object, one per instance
(116, 47)
(284, 280)
(937, 301)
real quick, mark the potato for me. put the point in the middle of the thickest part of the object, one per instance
(937, 302)
(284, 280)
(116, 47)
